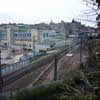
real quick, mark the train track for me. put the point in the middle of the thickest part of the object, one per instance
(44, 74)
(25, 80)
(13, 77)
(38, 71)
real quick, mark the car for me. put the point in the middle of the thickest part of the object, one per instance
(69, 54)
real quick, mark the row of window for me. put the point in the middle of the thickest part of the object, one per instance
(3, 36)
(22, 35)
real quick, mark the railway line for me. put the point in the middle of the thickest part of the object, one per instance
(39, 80)
(32, 68)
(43, 75)
(24, 81)
(33, 73)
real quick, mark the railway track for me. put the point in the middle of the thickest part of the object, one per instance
(43, 75)
(36, 73)
(25, 80)
(40, 79)
(13, 77)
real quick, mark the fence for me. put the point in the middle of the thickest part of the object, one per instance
(7, 69)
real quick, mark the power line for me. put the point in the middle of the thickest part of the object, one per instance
(86, 20)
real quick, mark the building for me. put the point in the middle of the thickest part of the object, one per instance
(30, 38)
(23, 39)
(47, 37)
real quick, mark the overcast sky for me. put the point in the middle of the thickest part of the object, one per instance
(36, 11)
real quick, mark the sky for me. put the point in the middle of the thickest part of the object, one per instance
(37, 11)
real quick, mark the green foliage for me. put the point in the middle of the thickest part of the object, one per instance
(41, 26)
(22, 30)
(98, 36)
(98, 60)
(52, 92)
(98, 1)
(67, 90)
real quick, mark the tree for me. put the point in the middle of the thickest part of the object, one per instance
(94, 10)
(94, 2)
(98, 1)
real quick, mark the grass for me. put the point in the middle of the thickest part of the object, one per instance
(67, 90)
(38, 58)
(76, 86)
(56, 91)
(98, 59)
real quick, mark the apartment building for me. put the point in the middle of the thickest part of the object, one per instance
(23, 39)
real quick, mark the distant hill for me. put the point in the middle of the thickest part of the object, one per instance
(70, 28)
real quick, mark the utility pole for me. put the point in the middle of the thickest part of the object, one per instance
(81, 43)
(55, 68)
(80, 50)
(65, 33)
(1, 80)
